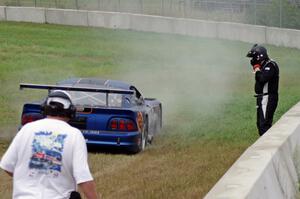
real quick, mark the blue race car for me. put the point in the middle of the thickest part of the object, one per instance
(108, 112)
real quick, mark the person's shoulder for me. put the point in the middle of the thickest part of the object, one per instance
(33, 124)
(72, 129)
(270, 65)
(76, 130)
(30, 127)
(272, 62)
(75, 133)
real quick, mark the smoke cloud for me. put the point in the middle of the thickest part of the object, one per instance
(192, 77)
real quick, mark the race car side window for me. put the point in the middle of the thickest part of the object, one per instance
(138, 98)
(136, 92)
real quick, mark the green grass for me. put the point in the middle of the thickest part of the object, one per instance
(205, 85)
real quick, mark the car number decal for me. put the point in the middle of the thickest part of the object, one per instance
(90, 131)
(140, 121)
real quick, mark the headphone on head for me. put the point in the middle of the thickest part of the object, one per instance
(59, 103)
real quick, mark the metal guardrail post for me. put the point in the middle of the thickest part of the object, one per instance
(76, 4)
(142, 6)
(280, 13)
(162, 7)
(99, 4)
(255, 12)
(184, 8)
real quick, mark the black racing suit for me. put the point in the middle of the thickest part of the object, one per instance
(266, 89)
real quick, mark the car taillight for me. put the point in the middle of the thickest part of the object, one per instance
(122, 124)
(30, 117)
(113, 124)
(131, 126)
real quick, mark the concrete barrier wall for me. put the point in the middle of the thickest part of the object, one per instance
(191, 27)
(201, 28)
(2, 13)
(67, 17)
(283, 37)
(152, 23)
(26, 14)
(242, 32)
(268, 168)
(109, 20)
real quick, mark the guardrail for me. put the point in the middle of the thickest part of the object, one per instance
(191, 27)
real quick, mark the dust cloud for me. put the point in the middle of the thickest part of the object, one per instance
(191, 77)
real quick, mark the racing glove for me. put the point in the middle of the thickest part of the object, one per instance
(256, 67)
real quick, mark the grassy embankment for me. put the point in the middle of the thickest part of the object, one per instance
(205, 86)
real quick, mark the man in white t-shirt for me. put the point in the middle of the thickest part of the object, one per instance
(48, 157)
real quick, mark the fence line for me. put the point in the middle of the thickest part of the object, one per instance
(276, 13)
(150, 23)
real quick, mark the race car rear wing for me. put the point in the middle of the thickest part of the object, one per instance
(71, 88)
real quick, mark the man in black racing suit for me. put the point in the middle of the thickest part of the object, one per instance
(266, 86)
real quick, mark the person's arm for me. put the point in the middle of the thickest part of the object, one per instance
(81, 171)
(89, 189)
(265, 74)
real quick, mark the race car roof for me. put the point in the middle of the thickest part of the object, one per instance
(100, 83)
(95, 82)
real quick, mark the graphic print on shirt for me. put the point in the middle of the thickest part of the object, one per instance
(47, 148)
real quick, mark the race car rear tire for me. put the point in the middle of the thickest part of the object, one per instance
(143, 143)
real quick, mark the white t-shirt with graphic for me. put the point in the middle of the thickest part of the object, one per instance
(48, 158)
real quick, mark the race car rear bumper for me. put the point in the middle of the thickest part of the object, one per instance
(128, 140)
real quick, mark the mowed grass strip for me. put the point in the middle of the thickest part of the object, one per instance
(205, 85)
(185, 173)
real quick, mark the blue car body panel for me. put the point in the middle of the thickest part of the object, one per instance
(95, 121)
